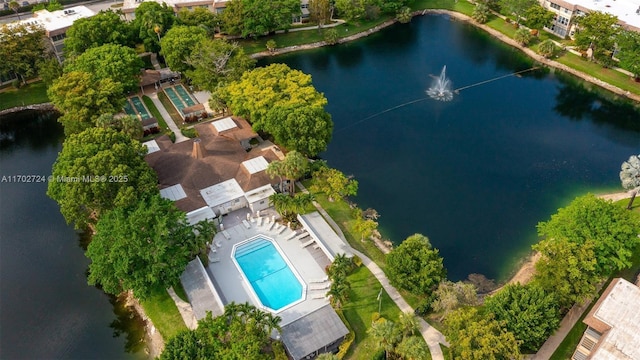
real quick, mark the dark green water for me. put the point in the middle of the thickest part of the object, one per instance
(47, 310)
(475, 174)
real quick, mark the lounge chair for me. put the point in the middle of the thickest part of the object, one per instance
(304, 245)
(214, 259)
(226, 234)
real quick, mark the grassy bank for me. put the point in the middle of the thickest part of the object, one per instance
(35, 93)
(609, 76)
(164, 313)
(360, 308)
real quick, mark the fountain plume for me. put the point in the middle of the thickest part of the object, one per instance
(441, 88)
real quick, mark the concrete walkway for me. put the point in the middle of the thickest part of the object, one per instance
(431, 335)
(167, 118)
(185, 309)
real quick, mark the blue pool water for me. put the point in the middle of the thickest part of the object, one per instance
(269, 275)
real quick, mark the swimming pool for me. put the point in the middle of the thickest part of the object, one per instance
(272, 279)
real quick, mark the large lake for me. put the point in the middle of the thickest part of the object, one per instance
(475, 174)
(47, 310)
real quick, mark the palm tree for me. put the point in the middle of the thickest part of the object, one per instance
(13, 5)
(271, 322)
(481, 13)
(385, 334)
(339, 291)
(294, 167)
(407, 324)
(275, 169)
(547, 48)
(630, 176)
(412, 348)
(341, 266)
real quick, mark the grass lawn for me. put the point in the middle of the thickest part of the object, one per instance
(35, 93)
(173, 112)
(610, 76)
(341, 213)
(360, 308)
(164, 313)
(155, 113)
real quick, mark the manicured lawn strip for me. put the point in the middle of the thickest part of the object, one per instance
(610, 76)
(464, 7)
(34, 93)
(155, 113)
(341, 213)
(164, 314)
(360, 308)
(252, 46)
(180, 292)
(175, 116)
(446, 352)
(499, 24)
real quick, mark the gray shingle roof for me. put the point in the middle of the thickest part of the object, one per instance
(313, 332)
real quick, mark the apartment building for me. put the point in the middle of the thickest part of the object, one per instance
(566, 11)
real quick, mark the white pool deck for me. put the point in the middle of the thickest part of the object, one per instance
(307, 261)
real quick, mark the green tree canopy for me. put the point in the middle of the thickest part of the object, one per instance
(612, 230)
(597, 29)
(200, 17)
(151, 22)
(261, 17)
(82, 100)
(629, 55)
(241, 333)
(320, 11)
(144, 248)
(529, 312)
(350, 10)
(96, 171)
(113, 61)
(21, 46)
(127, 124)
(333, 183)
(49, 69)
(412, 348)
(106, 27)
(292, 167)
(415, 265)
(268, 94)
(214, 63)
(178, 43)
(517, 7)
(568, 269)
(476, 337)
(232, 18)
(450, 296)
(538, 17)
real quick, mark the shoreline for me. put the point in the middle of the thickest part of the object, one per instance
(526, 269)
(38, 107)
(154, 343)
(464, 18)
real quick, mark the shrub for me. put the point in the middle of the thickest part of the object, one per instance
(278, 351)
(271, 45)
(522, 36)
(481, 13)
(357, 262)
(331, 36)
(404, 15)
(547, 48)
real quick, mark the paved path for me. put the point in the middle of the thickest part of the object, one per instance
(167, 118)
(185, 310)
(431, 335)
